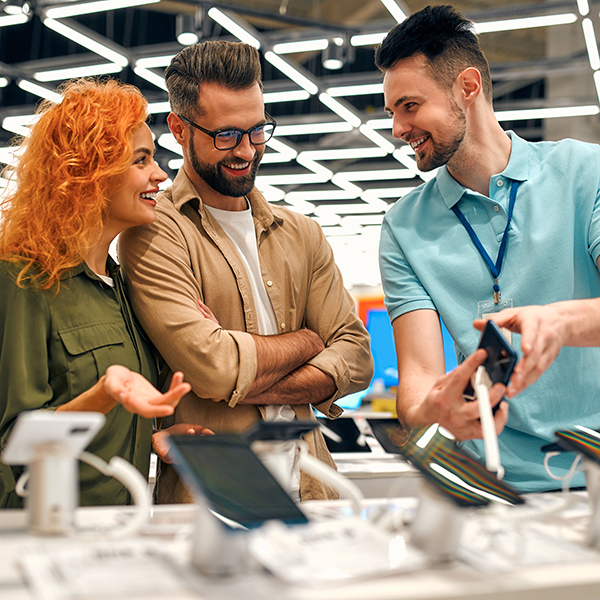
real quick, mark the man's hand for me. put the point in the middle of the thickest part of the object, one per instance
(543, 334)
(444, 404)
(160, 439)
(206, 312)
(139, 396)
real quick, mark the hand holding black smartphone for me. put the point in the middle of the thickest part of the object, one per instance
(501, 358)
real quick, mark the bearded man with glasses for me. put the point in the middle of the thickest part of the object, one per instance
(242, 295)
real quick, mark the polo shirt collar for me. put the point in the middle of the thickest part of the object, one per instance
(183, 191)
(517, 169)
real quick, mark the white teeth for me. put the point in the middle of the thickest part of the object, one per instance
(149, 195)
(238, 166)
(414, 144)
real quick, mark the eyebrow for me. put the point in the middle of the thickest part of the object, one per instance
(145, 151)
(400, 101)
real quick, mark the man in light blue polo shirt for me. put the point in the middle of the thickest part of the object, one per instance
(442, 251)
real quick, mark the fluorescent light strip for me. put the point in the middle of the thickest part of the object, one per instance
(344, 184)
(86, 8)
(358, 208)
(362, 220)
(291, 72)
(393, 192)
(394, 10)
(298, 204)
(175, 164)
(155, 108)
(13, 20)
(86, 42)
(299, 179)
(343, 154)
(525, 23)
(325, 195)
(157, 80)
(293, 96)
(3, 82)
(38, 90)
(339, 109)
(377, 138)
(591, 43)
(313, 166)
(167, 141)
(300, 46)
(234, 28)
(152, 62)
(367, 39)
(382, 175)
(597, 83)
(87, 71)
(19, 124)
(313, 128)
(355, 90)
(547, 113)
(282, 148)
(584, 7)
(380, 123)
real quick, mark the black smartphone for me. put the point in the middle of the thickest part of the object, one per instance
(501, 358)
(343, 435)
(232, 480)
(580, 439)
(278, 430)
(454, 474)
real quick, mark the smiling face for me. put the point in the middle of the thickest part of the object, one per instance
(132, 200)
(425, 115)
(223, 177)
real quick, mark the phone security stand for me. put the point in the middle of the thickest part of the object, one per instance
(51, 444)
(438, 525)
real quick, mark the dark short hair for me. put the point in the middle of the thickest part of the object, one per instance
(233, 65)
(444, 37)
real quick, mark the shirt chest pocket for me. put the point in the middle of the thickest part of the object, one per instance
(91, 349)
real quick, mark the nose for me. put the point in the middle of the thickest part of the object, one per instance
(400, 127)
(158, 175)
(245, 149)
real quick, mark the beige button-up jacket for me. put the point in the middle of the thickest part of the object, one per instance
(184, 256)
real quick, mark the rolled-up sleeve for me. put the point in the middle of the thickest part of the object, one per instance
(164, 288)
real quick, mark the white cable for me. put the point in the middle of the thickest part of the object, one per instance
(21, 483)
(133, 480)
(566, 479)
(482, 387)
(319, 470)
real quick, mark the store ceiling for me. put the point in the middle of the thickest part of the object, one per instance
(333, 156)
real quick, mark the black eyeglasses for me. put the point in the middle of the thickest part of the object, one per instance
(227, 139)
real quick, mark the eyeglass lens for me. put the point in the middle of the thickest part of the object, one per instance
(260, 134)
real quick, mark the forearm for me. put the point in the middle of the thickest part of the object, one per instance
(96, 399)
(305, 385)
(579, 320)
(278, 355)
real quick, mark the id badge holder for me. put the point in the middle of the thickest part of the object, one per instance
(486, 308)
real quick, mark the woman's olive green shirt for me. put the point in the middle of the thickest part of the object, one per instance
(53, 347)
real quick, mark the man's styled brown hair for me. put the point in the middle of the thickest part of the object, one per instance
(233, 65)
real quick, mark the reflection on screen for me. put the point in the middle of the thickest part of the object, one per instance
(232, 478)
(581, 439)
(455, 474)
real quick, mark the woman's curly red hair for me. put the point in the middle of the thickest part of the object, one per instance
(64, 175)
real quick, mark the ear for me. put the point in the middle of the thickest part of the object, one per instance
(468, 85)
(178, 129)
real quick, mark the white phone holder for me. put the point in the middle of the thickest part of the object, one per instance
(50, 444)
(592, 480)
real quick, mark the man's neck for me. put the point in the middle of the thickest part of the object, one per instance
(210, 197)
(484, 152)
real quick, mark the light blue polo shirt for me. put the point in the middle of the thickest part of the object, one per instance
(428, 261)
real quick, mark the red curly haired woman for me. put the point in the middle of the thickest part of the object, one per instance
(68, 338)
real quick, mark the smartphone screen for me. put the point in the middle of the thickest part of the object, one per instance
(456, 475)
(581, 439)
(343, 435)
(232, 479)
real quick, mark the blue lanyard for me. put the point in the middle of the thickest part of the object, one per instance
(496, 267)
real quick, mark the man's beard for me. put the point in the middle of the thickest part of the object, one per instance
(443, 151)
(221, 182)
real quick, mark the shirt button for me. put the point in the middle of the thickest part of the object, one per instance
(496, 207)
(269, 283)
(499, 183)
(282, 326)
